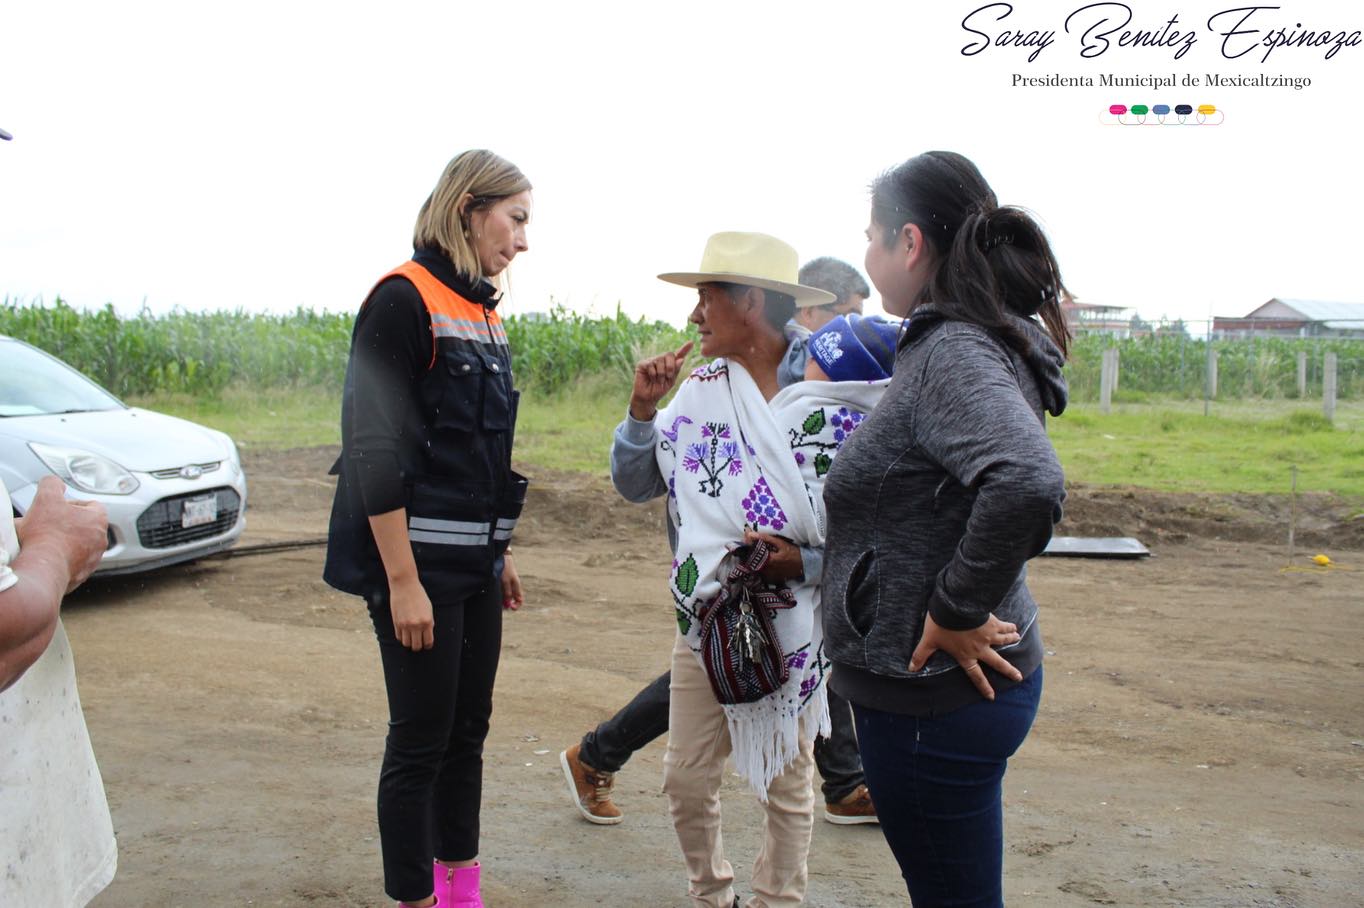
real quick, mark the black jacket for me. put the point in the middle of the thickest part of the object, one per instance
(428, 415)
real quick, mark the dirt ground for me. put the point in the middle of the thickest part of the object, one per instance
(1201, 738)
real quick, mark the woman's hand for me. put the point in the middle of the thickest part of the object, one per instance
(654, 378)
(512, 596)
(970, 649)
(413, 623)
(784, 563)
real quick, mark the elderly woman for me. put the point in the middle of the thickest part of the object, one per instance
(725, 462)
(425, 504)
(934, 508)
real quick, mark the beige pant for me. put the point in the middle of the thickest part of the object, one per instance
(693, 767)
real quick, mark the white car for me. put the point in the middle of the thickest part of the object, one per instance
(174, 489)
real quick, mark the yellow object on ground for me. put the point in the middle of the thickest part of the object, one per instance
(1321, 559)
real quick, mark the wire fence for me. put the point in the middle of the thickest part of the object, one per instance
(1191, 361)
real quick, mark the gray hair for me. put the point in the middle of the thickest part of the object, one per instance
(836, 276)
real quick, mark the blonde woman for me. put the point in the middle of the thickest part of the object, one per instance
(425, 505)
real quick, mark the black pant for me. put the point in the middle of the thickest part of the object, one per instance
(439, 704)
(612, 743)
(608, 746)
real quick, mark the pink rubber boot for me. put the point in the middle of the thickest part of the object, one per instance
(464, 887)
(440, 877)
(457, 887)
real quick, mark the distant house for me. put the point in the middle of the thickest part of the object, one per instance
(1295, 318)
(1095, 318)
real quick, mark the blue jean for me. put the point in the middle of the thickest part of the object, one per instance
(937, 784)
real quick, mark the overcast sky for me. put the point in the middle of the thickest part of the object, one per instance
(269, 156)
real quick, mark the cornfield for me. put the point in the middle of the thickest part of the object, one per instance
(202, 353)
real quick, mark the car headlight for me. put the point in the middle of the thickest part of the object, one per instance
(234, 459)
(85, 471)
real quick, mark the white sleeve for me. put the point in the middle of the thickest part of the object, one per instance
(9, 542)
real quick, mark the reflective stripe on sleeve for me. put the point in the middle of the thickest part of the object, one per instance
(448, 538)
(448, 526)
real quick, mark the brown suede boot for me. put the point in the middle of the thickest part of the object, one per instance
(590, 789)
(855, 808)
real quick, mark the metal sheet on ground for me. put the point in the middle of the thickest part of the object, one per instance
(1095, 547)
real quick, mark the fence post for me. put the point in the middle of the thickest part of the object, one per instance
(1108, 373)
(1116, 369)
(1328, 387)
(1302, 374)
(1183, 343)
(1293, 514)
(1210, 384)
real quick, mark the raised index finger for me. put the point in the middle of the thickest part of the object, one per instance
(683, 350)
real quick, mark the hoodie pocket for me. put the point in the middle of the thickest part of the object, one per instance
(860, 596)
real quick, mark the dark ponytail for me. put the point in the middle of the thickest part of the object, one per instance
(992, 261)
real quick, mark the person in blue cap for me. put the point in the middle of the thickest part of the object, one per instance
(853, 348)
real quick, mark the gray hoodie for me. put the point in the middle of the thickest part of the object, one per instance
(935, 504)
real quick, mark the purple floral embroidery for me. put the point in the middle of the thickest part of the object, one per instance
(844, 422)
(671, 434)
(808, 685)
(797, 660)
(730, 450)
(761, 507)
(713, 457)
(814, 428)
(710, 371)
(696, 452)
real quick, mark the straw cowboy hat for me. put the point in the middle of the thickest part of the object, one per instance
(753, 260)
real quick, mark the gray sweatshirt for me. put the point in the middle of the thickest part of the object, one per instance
(935, 504)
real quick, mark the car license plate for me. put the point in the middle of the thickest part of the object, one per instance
(198, 511)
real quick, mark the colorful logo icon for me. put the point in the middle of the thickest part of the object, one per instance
(1163, 115)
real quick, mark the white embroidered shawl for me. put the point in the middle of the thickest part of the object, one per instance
(733, 461)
